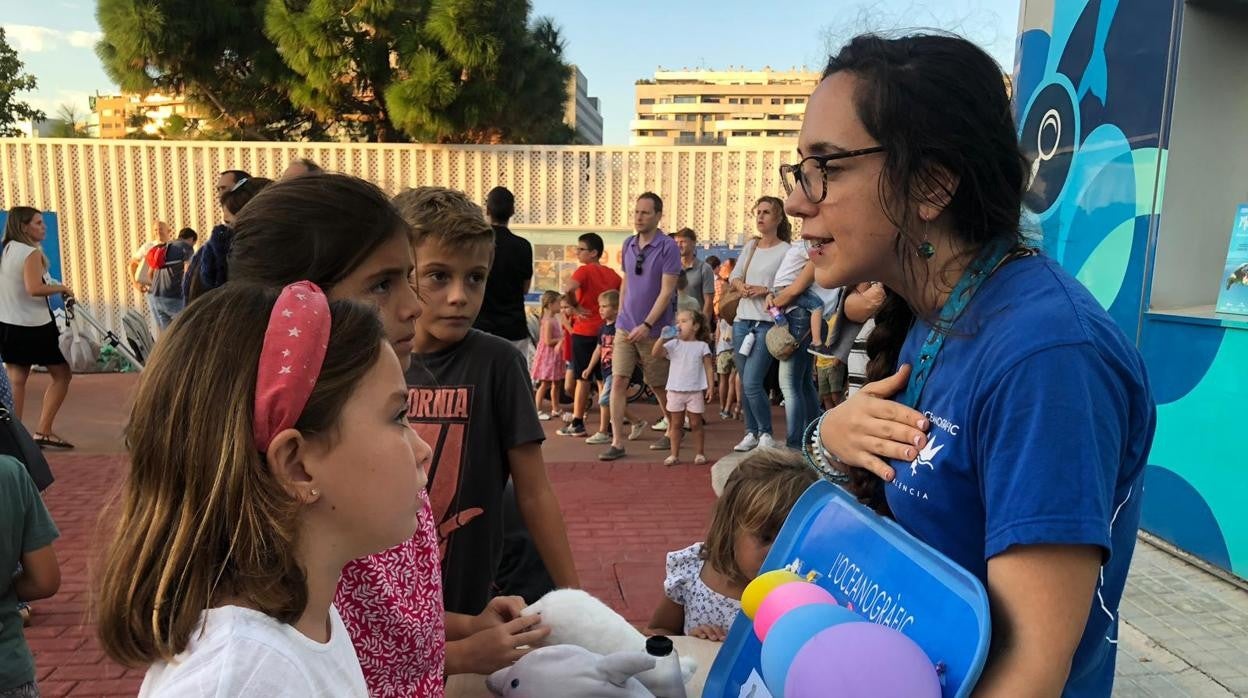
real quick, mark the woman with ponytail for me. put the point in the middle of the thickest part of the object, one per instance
(1008, 420)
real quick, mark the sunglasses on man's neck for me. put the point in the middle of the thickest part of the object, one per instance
(641, 259)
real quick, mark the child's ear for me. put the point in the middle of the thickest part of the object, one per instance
(286, 458)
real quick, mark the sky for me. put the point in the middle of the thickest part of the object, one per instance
(613, 43)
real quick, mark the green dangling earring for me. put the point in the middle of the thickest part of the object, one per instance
(927, 250)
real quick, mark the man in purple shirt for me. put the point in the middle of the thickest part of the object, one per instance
(651, 265)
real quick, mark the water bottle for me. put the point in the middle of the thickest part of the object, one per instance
(747, 344)
(666, 680)
(778, 316)
(668, 332)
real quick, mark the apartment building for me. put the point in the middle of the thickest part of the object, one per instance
(721, 107)
(114, 116)
(581, 111)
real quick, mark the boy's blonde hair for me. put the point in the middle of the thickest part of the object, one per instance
(756, 500)
(445, 216)
(611, 297)
(200, 518)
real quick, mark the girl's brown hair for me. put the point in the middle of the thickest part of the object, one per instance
(318, 227)
(15, 225)
(756, 500)
(785, 231)
(201, 520)
(549, 298)
(703, 333)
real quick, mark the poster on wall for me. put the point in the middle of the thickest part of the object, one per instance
(1233, 293)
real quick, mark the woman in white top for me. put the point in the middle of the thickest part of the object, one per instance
(28, 334)
(755, 277)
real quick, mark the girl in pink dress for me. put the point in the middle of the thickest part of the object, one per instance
(547, 361)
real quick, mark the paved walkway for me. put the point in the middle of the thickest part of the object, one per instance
(1185, 632)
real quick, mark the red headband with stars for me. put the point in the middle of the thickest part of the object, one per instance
(290, 360)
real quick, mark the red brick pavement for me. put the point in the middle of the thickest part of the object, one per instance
(622, 518)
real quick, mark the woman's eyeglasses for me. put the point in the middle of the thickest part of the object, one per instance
(812, 172)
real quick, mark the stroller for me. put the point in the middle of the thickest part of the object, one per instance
(138, 342)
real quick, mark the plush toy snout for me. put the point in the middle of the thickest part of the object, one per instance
(568, 671)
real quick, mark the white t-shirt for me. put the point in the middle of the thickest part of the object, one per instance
(241, 652)
(761, 272)
(791, 266)
(725, 337)
(794, 261)
(687, 373)
(17, 306)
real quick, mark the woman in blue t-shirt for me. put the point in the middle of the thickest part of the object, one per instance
(1017, 444)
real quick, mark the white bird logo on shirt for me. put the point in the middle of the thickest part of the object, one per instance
(926, 456)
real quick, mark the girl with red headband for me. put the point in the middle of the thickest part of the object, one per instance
(248, 494)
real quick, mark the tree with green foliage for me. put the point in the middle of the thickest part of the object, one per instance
(431, 70)
(474, 71)
(13, 79)
(213, 53)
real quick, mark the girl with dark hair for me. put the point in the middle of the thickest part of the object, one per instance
(754, 277)
(343, 234)
(1009, 419)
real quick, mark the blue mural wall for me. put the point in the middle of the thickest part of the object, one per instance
(1091, 93)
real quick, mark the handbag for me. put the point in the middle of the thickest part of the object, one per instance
(731, 297)
(80, 346)
(16, 442)
(780, 342)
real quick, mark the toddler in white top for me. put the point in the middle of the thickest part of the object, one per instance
(690, 380)
(702, 591)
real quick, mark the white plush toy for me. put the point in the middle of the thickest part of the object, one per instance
(576, 618)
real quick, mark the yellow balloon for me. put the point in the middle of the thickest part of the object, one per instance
(762, 585)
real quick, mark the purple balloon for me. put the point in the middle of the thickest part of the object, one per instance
(861, 659)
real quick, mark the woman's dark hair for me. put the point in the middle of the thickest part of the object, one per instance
(938, 106)
(244, 190)
(785, 231)
(318, 227)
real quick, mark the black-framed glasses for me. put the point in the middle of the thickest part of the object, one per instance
(641, 259)
(812, 172)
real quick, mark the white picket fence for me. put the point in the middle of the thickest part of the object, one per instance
(106, 192)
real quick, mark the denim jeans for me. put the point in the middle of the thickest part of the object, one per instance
(753, 370)
(164, 309)
(797, 381)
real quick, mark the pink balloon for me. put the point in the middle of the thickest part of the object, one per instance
(785, 598)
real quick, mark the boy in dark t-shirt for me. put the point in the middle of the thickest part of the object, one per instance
(608, 309)
(471, 399)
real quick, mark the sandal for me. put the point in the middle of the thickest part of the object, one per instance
(52, 441)
(671, 460)
(699, 459)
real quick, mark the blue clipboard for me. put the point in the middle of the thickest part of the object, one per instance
(889, 576)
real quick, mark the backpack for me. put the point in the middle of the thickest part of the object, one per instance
(153, 260)
(156, 256)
